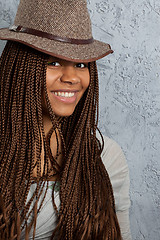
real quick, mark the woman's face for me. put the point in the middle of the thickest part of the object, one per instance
(66, 83)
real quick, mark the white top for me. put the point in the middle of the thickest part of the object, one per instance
(115, 163)
(117, 168)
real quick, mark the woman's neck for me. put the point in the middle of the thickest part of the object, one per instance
(53, 146)
(46, 123)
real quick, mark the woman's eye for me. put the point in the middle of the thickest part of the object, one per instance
(53, 64)
(81, 65)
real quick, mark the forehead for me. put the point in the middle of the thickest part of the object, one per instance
(52, 58)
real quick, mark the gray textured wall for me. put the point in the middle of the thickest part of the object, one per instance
(129, 96)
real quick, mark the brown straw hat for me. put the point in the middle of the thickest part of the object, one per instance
(61, 28)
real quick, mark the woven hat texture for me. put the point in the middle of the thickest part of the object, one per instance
(65, 19)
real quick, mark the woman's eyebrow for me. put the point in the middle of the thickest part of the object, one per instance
(53, 59)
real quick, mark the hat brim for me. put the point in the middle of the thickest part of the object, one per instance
(71, 52)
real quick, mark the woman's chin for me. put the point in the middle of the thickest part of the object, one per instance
(65, 111)
(61, 114)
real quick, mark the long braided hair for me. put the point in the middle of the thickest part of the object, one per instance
(87, 209)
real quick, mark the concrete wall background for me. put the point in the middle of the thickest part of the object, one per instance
(129, 96)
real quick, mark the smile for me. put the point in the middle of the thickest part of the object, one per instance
(65, 94)
(66, 97)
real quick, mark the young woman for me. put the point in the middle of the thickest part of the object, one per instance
(59, 177)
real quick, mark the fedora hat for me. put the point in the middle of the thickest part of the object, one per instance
(60, 28)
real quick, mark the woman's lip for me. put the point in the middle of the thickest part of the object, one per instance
(65, 99)
(65, 90)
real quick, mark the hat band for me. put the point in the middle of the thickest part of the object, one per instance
(50, 36)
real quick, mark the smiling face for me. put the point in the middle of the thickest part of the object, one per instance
(66, 83)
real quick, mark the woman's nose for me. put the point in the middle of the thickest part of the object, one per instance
(69, 75)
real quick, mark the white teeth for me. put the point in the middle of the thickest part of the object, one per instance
(70, 94)
(64, 94)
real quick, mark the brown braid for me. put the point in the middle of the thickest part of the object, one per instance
(87, 209)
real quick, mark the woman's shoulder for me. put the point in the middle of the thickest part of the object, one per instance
(112, 155)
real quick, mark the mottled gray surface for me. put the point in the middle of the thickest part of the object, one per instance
(129, 96)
